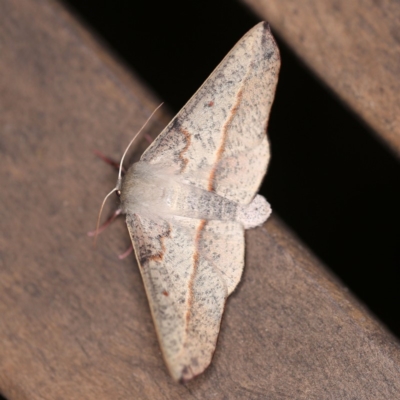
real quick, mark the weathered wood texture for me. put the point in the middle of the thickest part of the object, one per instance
(354, 46)
(75, 323)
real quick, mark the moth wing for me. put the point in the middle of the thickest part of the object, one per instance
(188, 270)
(218, 140)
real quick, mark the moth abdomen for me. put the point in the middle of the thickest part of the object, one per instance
(255, 213)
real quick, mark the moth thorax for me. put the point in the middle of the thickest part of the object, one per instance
(143, 189)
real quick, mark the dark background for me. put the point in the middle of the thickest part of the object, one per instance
(330, 179)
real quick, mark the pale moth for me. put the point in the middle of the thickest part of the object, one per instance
(193, 193)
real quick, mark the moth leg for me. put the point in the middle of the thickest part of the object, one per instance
(105, 224)
(126, 253)
(148, 138)
(109, 161)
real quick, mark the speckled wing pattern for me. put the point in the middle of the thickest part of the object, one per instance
(216, 142)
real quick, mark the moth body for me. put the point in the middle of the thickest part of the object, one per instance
(154, 189)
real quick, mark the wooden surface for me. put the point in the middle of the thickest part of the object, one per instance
(353, 46)
(75, 323)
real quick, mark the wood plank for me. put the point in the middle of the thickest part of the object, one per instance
(74, 320)
(353, 46)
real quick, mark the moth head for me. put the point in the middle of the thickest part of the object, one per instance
(118, 186)
(128, 188)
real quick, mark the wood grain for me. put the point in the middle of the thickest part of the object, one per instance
(353, 46)
(74, 320)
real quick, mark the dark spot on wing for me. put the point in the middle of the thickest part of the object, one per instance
(146, 247)
(176, 124)
(194, 361)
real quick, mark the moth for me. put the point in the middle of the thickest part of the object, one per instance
(193, 193)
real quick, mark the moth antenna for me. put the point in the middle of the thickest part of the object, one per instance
(130, 143)
(101, 210)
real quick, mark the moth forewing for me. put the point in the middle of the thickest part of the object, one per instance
(189, 199)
